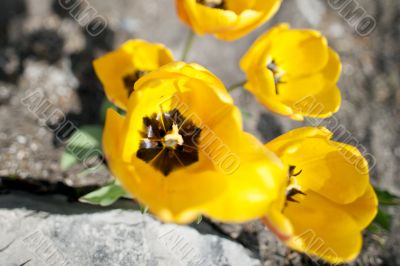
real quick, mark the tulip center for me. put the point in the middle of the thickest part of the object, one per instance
(293, 188)
(173, 138)
(219, 4)
(277, 72)
(130, 80)
(168, 141)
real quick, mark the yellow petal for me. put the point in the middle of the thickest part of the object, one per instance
(147, 56)
(329, 174)
(250, 19)
(261, 82)
(297, 88)
(186, 71)
(181, 195)
(308, 72)
(276, 221)
(339, 201)
(321, 105)
(240, 17)
(132, 56)
(260, 45)
(181, 11)
(208, 20)
(178, 197)
(239, 6)
(299, 52)
(323, 229)
(286, 142)
(333, 68)
(278, 224)
(113, 126)
(246, 22)
(331, 170)
(235, 177)
(108, 70)
(167, 90)
(112, 142)
(253, 187)
(233, 167)
(364, 209)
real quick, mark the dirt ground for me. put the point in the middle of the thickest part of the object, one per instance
(44, 50)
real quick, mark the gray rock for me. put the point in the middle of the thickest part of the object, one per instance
(52, 232)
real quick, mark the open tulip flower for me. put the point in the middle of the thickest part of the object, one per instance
(329, 199)
(226, 19)
(119, 70)
(181, 151)
(294, 72)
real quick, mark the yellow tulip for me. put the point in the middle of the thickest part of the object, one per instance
(293, 72)
(119, 70)
(226, 19)
(181, 151)
(329, 199)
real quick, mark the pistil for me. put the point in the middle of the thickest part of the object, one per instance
(169, 141)
(277, 72)
(173, 139)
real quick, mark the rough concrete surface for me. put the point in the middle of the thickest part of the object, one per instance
(40, 233)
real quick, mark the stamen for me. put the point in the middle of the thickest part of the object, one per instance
(130, 80)
(293, 188)
(291, 171)
(277, 72)
(293, 192)
(166, 144)
(219, 4)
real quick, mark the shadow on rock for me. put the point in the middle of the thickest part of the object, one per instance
(10, 65)
(9, 10)
(56, 204)
(43, 45)
(90, 91)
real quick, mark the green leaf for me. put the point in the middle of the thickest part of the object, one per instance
(104, 196)
(91, 171)
(375, 228)
(143, 209)
(246, 115)
(386, 198)
(199, 219)
(85, 143)
(86, 137)
(104, 107)
(68, 160)
(383, 219)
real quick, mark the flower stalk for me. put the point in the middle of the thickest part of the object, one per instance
(237, 85)
(188, 45)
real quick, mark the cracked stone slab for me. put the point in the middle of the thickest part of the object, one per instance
(43, 231)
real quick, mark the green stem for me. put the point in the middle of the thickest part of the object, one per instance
(188, 45)
(237, 85)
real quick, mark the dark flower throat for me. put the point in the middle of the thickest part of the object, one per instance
(219, 4)
(160, 150)
(130, 80)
